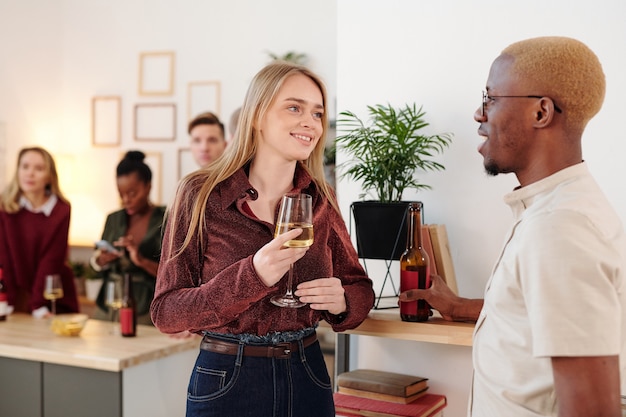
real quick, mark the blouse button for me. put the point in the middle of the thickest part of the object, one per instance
(252, 193)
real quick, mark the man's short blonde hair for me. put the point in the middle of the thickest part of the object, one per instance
(565, 70)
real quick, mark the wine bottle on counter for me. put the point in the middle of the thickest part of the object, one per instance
(128, 310)
(414, 267)
(4, 304)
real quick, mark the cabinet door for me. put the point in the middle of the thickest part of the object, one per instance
(71, 391)
(20, 388)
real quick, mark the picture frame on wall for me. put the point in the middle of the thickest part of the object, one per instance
(186, 163)
(203, 96)
(155, 161)
(106, 115)
(156, 73)
(155, 122)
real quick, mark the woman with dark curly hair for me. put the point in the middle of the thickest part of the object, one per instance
(135, 232)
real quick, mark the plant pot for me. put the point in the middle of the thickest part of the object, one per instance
(92, 288)
(380, 229)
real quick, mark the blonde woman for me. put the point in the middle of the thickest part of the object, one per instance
(34, 228)
(221, 263)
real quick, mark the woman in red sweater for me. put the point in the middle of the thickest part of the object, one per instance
(34, 228)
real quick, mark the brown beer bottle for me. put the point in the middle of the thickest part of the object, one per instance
(414, 267)
(128, 310)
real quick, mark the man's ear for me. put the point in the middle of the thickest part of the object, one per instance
(544, 113)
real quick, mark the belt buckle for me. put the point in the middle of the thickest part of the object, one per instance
(281, 350)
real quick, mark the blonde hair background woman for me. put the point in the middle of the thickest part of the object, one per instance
(221, 263)
(34, 228)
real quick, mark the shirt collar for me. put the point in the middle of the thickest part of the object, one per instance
(522, 198)
(237, 186)
(46, 208)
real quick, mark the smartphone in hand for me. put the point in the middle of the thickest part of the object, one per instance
(103, 244)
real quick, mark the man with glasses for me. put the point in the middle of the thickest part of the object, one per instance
(551, 329)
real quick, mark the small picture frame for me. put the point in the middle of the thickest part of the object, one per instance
(106, 115)
(154, 161)
(155, 122)
(203, 96)
(186, 163)
(156, 73)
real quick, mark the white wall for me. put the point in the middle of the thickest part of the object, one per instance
(438, 53)
(56, 55)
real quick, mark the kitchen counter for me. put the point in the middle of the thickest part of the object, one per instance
(95, 374)
(22, 337)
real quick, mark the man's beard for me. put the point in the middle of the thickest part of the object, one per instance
(491, 168)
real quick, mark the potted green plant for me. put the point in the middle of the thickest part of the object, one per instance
(385, 154)
(291, 56)
(88, 281)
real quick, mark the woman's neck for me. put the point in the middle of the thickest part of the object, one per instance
(272, 180)
(146, 209)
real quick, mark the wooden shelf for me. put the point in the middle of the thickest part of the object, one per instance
(387, 323)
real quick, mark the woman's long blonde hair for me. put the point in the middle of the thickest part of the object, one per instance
(10, 199)
(194, 190)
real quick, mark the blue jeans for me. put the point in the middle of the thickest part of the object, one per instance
(238, 386)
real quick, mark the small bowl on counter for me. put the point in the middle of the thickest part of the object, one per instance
(68, 324)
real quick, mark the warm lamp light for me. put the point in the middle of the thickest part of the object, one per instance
(87, 220)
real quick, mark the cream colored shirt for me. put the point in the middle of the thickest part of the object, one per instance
(557, 289)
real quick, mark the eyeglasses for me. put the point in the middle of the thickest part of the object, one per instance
(487, 98)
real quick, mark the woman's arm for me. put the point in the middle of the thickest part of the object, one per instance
(357, 286)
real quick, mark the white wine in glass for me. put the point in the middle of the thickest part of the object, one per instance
(113, 300)
(53, 290)
(296, 212)
(303, 241)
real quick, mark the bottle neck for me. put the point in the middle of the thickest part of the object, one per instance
(128, 287)
(415, 226)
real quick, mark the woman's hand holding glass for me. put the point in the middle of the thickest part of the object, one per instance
(296, 212)
(272, 261)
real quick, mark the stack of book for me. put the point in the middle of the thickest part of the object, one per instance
(366, 392)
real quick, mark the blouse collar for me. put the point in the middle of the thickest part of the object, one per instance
(46, 208)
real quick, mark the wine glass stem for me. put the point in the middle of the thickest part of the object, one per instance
(54, 307)
(290, 282)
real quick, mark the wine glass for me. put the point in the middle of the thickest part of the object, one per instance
(296, 212)
(113, 300)
(53, 290)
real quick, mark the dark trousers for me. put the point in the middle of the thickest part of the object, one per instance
(236, 385)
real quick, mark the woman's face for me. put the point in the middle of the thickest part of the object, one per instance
(134, 193)
(32, 173)
(292, 126)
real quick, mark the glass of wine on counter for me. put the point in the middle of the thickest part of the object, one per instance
(296, 212)
(113, 300)
(53, 290)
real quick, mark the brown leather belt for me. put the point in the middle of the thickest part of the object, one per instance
(279, 350)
